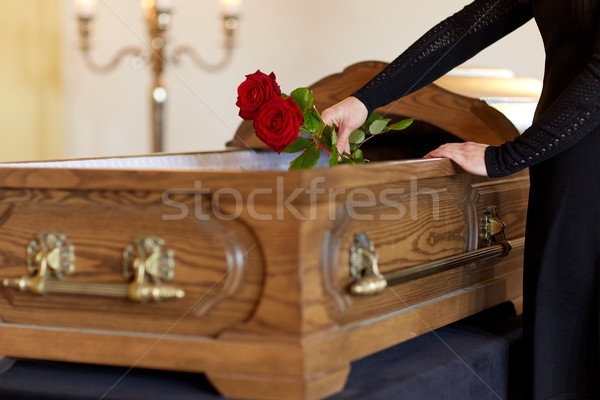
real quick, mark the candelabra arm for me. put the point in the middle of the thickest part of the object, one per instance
(158, 20)
(116, 60)
(85, 33)
(181, 50)
(230, 27)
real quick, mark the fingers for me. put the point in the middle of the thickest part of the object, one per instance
(470, 156)
(431, 154)
(348, 115)
(334, 115)
(444, 151)
(440, 152)
(329, 116)
(343, 134)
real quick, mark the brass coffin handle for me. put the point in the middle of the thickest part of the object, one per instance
(364, 267)
(368, 280)
(146, 265)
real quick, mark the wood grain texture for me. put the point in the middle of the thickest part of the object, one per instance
(101, 224)
(430, 220)
(280, 332)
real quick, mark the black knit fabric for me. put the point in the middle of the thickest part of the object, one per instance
(572, 115)
(448, 44)
(561, 280)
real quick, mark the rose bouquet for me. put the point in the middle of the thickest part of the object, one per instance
(292, 124)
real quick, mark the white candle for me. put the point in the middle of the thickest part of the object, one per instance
(160, 5)
(147, 4)
(163, 5)
(85, 8)
(231, 8)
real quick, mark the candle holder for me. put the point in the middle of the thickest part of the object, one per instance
(156, 54)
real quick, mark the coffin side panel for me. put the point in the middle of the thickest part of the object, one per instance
(425, 221)
(215, 261)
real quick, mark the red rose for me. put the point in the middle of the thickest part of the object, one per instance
(254, 92)
(278, 123)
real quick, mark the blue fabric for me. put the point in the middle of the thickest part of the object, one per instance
(455, 362)
(465, 360)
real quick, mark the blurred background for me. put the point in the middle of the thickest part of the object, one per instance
(54, 106)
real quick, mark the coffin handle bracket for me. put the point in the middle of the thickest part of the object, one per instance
(146, 265)
(493, 232)
(368, 280)
(364, 267)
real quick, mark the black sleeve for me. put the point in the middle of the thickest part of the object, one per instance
(573, 114)
(445, 46)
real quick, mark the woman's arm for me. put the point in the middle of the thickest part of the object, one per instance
(570, 117)
(445, 46)
(448, 44)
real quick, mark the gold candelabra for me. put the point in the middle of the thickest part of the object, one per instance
(156, 52)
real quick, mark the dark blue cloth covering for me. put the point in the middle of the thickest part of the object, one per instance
(470, 359)
(466, 360)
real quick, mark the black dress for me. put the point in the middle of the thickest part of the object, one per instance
(562, 150)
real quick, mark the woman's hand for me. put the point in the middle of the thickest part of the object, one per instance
(348, 115)
(469, 155)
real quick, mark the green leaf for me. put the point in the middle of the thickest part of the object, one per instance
(357, 136)
(333, 159)
(304, 98)
(405, 123)
(370, 119)
(311, 123)
(316, 114)
(329, 137)
(378, 126)
(297, 145)
(308, 159)
(334, 136)
(357, 156)
(326, 137)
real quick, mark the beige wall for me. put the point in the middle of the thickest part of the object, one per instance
(300, 40)
(31, 102)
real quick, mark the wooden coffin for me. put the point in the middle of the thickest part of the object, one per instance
(270, 282)
(263, 258)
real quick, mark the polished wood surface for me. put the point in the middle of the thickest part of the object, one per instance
(101, 224)
(267, 313)
(263, 256)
